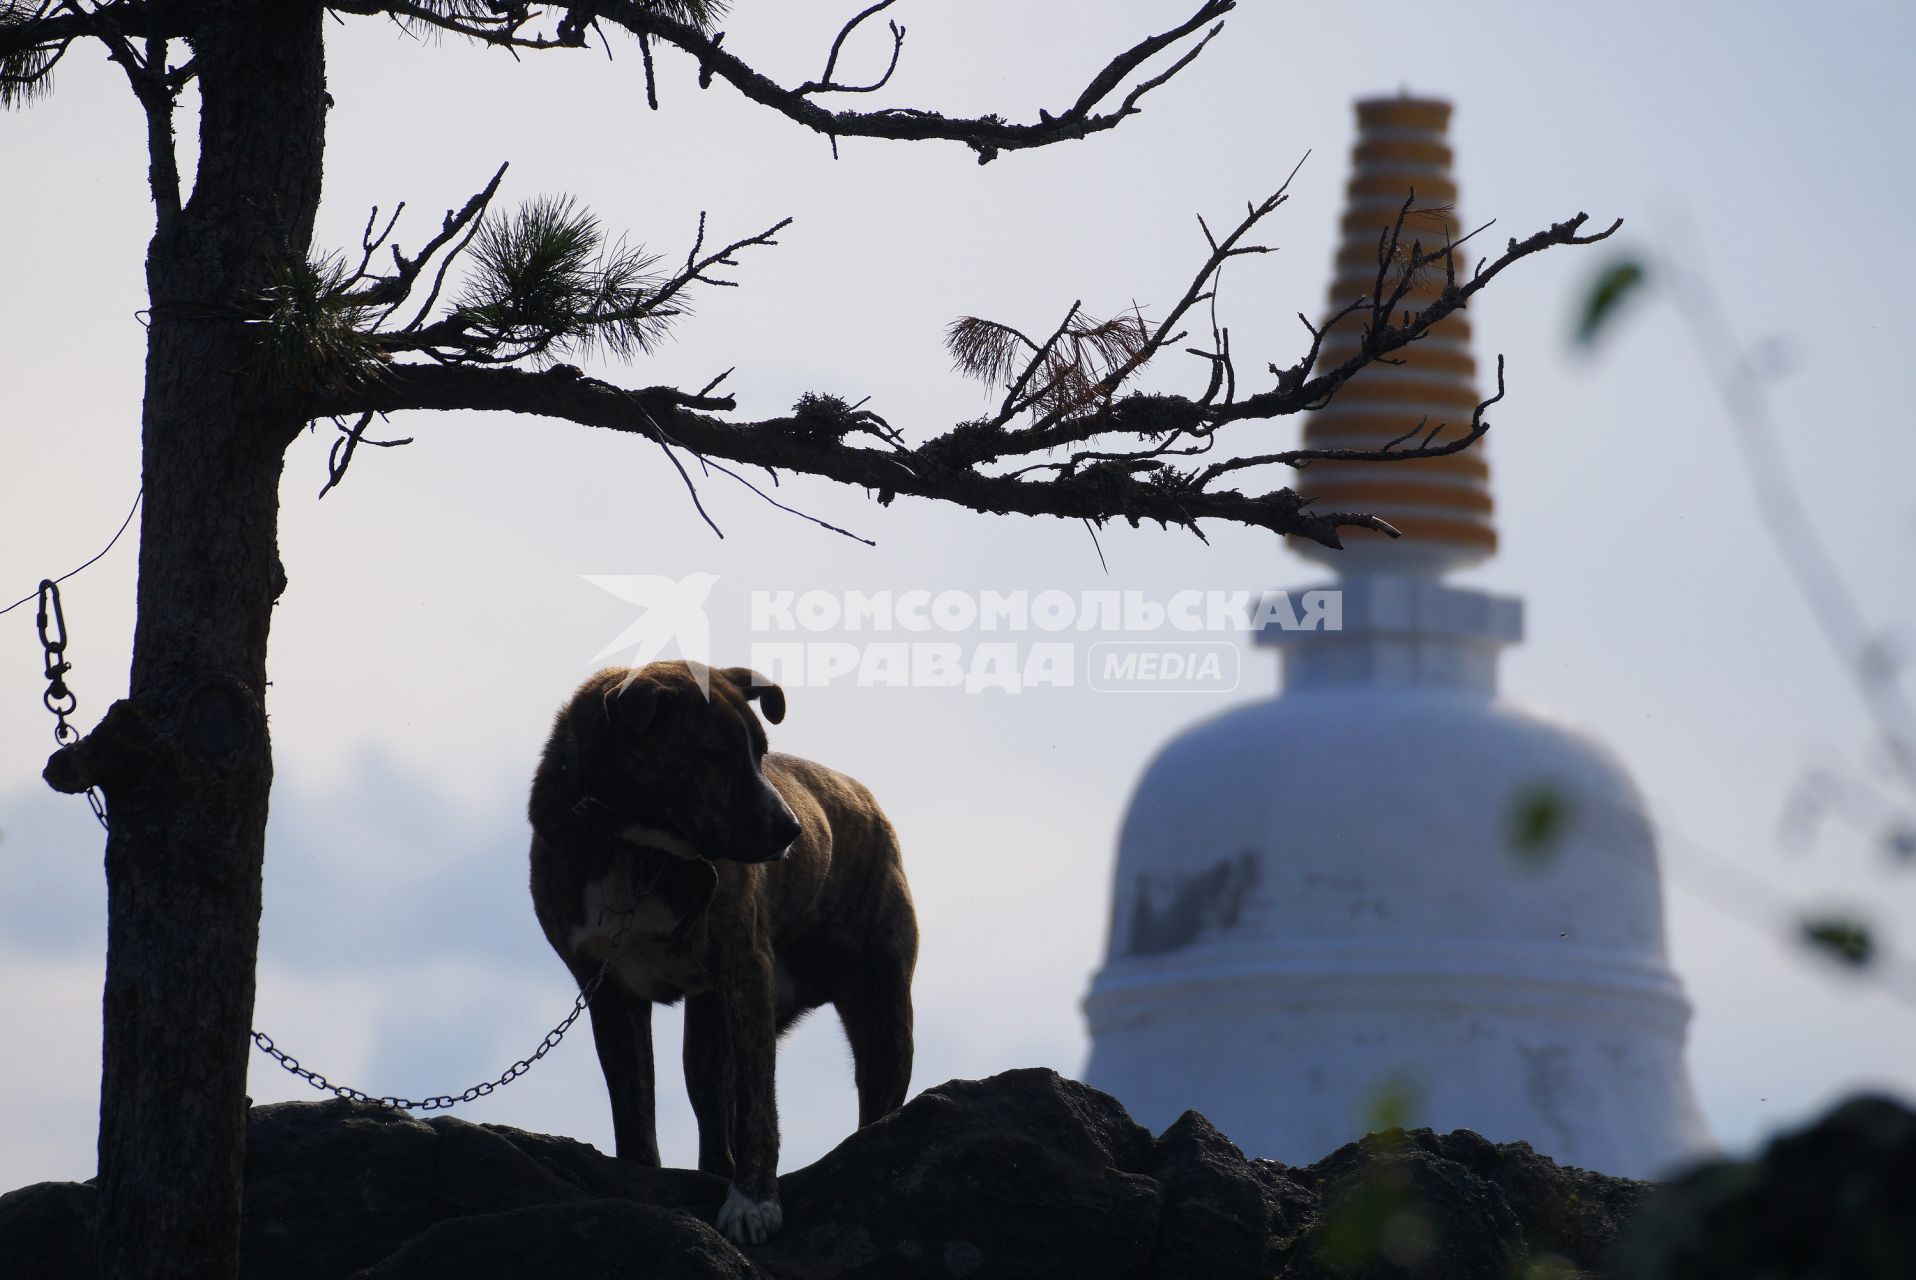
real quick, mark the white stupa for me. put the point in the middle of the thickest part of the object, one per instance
(1329, 898)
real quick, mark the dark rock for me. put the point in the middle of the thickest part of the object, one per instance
(1026, 1174)
(586, 1240)
(1569, 1216)
(1391, 1207)
(1290, 1207)
(332, 1187)
(47, 1230)
(1837, 1199)
(1216, 1224)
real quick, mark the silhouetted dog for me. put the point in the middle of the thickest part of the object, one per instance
(758, 887)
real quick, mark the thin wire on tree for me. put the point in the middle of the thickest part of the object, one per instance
(124, 524)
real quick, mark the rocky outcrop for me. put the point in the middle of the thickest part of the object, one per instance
(1026, 1174)
(1835, 1199)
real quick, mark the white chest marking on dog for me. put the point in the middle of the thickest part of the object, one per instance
(651, 838)
(748, 1221)
(606, 902)
(649, 964)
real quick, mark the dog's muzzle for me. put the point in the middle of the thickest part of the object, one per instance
(778, 855)
(785, 832)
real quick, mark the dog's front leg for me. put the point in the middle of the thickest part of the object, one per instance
(708, 1080)
(622, 1031)
(751, 1213)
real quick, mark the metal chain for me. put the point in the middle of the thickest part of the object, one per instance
(442, 1101)
(61, 701)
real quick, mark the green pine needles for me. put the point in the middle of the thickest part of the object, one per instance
(26, 75)
(311, 333)
(539, 284)
(544, 283)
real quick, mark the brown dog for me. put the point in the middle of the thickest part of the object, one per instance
(756, 886)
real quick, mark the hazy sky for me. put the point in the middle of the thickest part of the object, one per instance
(437, 615)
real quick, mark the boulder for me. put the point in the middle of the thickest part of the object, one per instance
(1025, 1174)
(1418, 1203)
(333, 1187)
(581, 1240)
(47, 1230)
(1833, 1199)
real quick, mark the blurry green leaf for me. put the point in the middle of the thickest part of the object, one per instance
(1612, 285)
(1391, 1104)
(1845, 939)
(1376, 1219)
(1539, 819)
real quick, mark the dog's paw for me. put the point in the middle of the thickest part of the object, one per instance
(748, 1221)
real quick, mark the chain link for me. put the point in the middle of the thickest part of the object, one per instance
(440, 1102)
(52, 622)
(59, 699)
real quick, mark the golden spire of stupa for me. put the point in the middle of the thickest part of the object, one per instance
(1442, 505)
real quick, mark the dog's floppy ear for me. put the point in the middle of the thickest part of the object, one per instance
(632, 705)
(757, 688)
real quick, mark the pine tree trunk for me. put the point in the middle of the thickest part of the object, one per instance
(186, 761)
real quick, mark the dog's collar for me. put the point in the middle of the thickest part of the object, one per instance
(592, 812)
(683, 929)
(652, 866)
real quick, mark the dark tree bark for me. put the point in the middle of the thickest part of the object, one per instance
(187, 767)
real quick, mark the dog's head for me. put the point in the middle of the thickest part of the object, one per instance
(674, 753)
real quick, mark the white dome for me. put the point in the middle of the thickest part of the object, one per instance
(1383, 816)
(1320, 899)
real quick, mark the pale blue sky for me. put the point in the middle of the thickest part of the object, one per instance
(436, 615)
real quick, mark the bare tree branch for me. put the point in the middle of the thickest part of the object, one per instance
(697, 269)
(26, 25)
(340, 456)
(1300, 457)
(390, 291)
(1297, 390)
(1204, 282)
(498, 25)
(157, 88)
(34, 37)
(1073, 383)
(1096, 493)
(987, 135)
(506, 25)
(825, 83)
(1071, 380)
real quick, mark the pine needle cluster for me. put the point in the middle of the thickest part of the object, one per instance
(545, 282)
(309, 336)
(1075, 373)
(26, 75)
